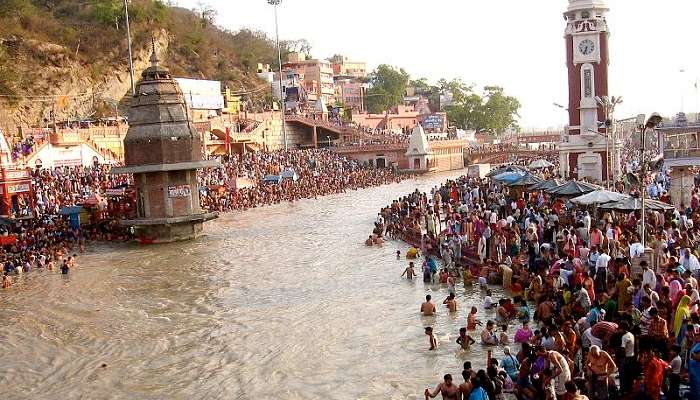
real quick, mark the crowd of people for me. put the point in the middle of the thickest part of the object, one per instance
(586, 303)
(304, 174)
(43, 236)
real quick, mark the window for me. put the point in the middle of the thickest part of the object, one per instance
(587, 83)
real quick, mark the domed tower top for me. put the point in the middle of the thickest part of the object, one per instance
(159, 126)
(576, 5)
(586, 10)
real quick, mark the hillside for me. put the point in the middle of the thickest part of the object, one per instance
(71, 55)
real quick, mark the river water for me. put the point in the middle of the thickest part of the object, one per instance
(282, 302)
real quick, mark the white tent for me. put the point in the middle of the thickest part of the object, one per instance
(540, 164)
(599, 197)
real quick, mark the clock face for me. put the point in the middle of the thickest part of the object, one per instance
(586, 47)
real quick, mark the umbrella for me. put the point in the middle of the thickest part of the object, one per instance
(540, 164)
(634, 203)
(573, 188)
(508, 177)
(599, 197)
(507, 168)
(526, 180)
(545, 185)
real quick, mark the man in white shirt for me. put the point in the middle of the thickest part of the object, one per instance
(636, 248)
(601, 268)
(690, 262)
(587, 221)
(627, 366)
(648, 276)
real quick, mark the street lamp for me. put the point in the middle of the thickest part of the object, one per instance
(653, 121)
(608, 104)
(276, 3)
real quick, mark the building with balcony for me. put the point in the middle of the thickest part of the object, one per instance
(316, 76)
(343, 66)
(679, 144)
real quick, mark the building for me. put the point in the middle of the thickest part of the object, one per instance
(679, 142)
(203, 98)
(344, 67)
(16, 189)
(316, 76)
(163, 151)
(352, 94)
(584, 146)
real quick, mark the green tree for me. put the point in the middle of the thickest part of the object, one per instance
(388, 89)
(500, 110)
(106, 12)
(493, 112)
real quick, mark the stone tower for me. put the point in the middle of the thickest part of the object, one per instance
(584, 150)
(163, 152)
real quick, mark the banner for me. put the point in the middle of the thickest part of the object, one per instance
(179, 191)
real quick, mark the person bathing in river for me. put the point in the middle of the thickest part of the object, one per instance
(487, 335)
(472, 322)
(409, 271)
(428, 308)
(431, 338)
(451, 302)
(449, 390)
(465, 341)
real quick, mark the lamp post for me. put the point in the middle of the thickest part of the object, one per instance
(128, 41)
(276, 3)
(654, 120)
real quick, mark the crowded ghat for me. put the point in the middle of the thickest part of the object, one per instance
(73, 206)
(587, 312)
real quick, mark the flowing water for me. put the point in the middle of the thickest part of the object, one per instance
(282, 302)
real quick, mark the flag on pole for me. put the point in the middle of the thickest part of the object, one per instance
(227, 146)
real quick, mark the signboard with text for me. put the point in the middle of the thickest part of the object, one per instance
(18, 188)
(179, 191)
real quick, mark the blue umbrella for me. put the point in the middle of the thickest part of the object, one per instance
(508, 177)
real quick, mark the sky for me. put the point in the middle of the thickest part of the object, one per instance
(515, 44)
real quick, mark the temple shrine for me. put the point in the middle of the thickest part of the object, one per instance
(163, 151)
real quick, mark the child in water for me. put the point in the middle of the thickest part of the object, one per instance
(431, 338)
(464, 340)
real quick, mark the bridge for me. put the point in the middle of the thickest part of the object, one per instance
(498, 155)
(533, 137)
(322, 128)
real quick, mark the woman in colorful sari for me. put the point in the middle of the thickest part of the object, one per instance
(674, 289)
(682, 315)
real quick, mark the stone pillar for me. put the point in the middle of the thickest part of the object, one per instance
(681, 184)
(314, 137)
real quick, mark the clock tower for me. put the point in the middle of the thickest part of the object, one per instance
(583, 150)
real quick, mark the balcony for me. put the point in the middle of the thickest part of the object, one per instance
(681, 149)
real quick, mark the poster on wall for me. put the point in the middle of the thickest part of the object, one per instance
(179, 191)
(18, 188)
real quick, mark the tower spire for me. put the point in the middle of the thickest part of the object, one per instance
(154, 56)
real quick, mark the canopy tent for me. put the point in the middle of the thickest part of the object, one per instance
(506, 168)
(526, 180)
(289, 174)
(508, 177)
(538, 164)
(545, 185)
(272, 179)
(573, 188)
(599, 197)
(635, 203)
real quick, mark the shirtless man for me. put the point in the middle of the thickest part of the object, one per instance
(428, 308)
(599, 366)
(449, 390)
(431, 338)
(6, 281)
(409, 271)
(451, 302)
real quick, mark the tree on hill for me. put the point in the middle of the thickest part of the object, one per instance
(493, 111)
(388, 89)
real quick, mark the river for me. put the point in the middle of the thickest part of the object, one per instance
(282, 302)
